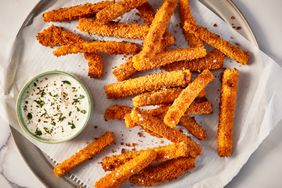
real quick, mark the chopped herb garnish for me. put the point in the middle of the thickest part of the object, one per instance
(41, 93)
(81, 96)
(83, 111)
(34, 84)
(72, 125)
(40, 103)
(61, 117)
(66, 82)
(45, 121)
(70, 113)
(44, 113)
(38, 132)
(75, 101)
(77, 109)
(53, 123)
(29, 116)
(49, 131)
(56, 95)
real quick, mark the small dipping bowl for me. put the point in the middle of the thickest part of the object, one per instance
(53, 107)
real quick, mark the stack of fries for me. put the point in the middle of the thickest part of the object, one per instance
(173, 93)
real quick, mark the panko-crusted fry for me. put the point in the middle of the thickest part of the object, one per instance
(151, 82)
(109, 47)
(164, 96)
(186, 16)
(125, 70)
(199, 107)
(167, 57)
(117, 9)
(95, 65)
(164, 153)
(228, 97)
(156, 125)
(57, 36)
(84, 154)
(164, 172)
(116, 112)
(212, 61)
(219, 43)
(186, 97)
(157, 28)
(193, 127)
(74, 12)
(123, 172)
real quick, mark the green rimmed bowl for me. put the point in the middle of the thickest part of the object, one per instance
(20, 107)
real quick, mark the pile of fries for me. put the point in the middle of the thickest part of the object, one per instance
(173, 92)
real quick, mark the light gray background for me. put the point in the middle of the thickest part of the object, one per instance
(264, 168)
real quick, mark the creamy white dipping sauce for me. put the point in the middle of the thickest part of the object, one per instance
(54, 107)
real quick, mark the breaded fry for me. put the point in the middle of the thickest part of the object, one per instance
(212, 61)
(228, 97)
(129, 123)
(151, 82)
(186, 97)
(109, 47)
(163, 96)
(117, 9)
(164, 153)
(116, 112)
(164, 172)
(113, 29)
(167, 57)
(125, 70)
(95, 65)
(57, 36)
(123, 172)
(219, 43)
(193, 127)
(157, 28)
(199, 107)
(186, 16)
(84, 154)
(156, 125)
(74, 12)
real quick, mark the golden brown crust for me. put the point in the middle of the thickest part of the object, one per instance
(116, 112)
(212, 61)
(147, 83)
(193, 127)
(186, 16)
(163, 96)
(74, 12)
(84, 154)
(95, 65)
(199, 107)
(117, 9)
(125, 70)
(57, 36)
(228, 97)
(123, 172)
(186, 97)
(219, 43)
(164, 153)
(109, 47)
(141, 63)
(156, 125)
(158, 28)
(164, 172)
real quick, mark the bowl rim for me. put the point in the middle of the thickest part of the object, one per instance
(23, 124)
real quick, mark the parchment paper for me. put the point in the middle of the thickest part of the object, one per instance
(258, 107)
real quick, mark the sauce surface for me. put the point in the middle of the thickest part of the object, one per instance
(55, 107)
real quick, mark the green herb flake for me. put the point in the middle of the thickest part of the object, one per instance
(40, 103)
(66, 82)
(70, 113)
(61, 117)
(72, 125)
(38, 132)
(49, 131)
(83, 111)
(29, 116)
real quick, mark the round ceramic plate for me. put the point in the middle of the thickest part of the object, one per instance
(38, 162)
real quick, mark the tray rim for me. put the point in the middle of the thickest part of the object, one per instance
(22, 143)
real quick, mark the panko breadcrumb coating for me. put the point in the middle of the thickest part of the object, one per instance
(229, 88)
(110, 47)
(117, 9)
(219, 43)
(212, 61)
(193, 127)
(74, 12)
(186, 97)
(116, 112)
(84, 154)
(125, 70)
(147, 83)
(123, 172)
(164, 153)
(164, 172)
(95, 65)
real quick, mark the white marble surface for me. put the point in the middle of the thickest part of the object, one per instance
(262, 170)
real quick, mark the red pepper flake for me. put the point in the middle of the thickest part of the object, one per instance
(140, 134)
(123, 150)
(238, 28)
(232, 17)
(215, 25)
(122, 143)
